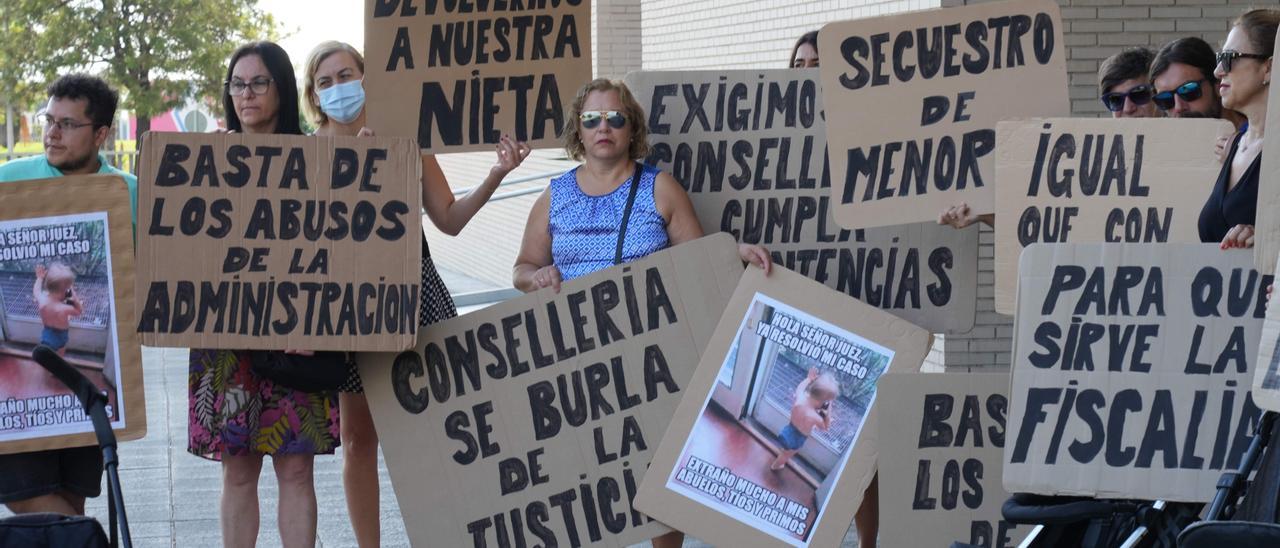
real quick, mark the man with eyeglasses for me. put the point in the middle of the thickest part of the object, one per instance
(1185, 86)
(1126, 90)
(77, 121)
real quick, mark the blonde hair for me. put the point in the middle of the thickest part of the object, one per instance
(831, 385)
(58, 279)
(631, 108)
(311, 100)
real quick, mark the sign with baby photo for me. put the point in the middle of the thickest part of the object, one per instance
(66, 283)
(750, 148)
(458, 75)
(774, 443)
(275, 242)
(912, 102)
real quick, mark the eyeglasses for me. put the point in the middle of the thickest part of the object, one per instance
(258, 85)
(1189, 91)
(1140, 95)
(1227, 57)
(591, 118)
(64, 125)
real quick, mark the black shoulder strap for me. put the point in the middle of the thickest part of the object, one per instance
(626, 213)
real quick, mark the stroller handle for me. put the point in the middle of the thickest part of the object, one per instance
(84, 390)
(95, 405)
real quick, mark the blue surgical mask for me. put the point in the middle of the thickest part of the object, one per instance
(343, 102)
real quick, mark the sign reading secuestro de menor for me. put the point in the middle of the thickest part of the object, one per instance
(912, 102)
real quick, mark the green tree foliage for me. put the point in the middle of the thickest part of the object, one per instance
(157, 52)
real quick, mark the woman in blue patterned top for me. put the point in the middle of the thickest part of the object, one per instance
(573, 227)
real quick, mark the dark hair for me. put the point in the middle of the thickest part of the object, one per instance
(1188, 51)
(281, 69)
(1128, 64)
(1260, 26)
(95, 91)
(810, 38)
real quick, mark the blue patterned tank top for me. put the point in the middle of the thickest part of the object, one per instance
(584, 229)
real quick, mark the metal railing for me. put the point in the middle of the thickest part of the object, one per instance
(516, 181)
(122, 160)
(466, 302)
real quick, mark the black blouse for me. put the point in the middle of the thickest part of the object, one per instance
(1226, 209)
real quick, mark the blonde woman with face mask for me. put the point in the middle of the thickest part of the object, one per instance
(335, 101)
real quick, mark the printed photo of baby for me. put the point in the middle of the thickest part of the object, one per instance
(56, 291)
(812, 410)
(777, 427)
(56, 300)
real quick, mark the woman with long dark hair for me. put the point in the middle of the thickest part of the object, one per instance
(236, 416)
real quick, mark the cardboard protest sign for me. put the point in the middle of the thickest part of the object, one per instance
(1266, 241)
(66, 282)
(750, 147)
(533, 421)
(272, 242)
(912, 102)
(946, 434)
(1131, 369)
(1266, 380)
(1099, 180)
(458, 75)
(774, 443)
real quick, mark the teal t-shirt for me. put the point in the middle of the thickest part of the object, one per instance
(37, 167)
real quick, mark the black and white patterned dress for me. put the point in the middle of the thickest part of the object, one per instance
(436, 305)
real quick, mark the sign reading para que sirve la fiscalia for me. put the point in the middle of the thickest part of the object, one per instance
(1132, 365)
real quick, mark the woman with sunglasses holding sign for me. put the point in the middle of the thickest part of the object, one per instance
(575, 226)
(1244, 79)
(334, 95)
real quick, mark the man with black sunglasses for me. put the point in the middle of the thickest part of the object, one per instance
(1125, 89)
(1185, 87)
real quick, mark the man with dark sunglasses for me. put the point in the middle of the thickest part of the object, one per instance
(1125, 89)
(1185, 87)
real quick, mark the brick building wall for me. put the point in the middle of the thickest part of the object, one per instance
(615, 37)
(743, 34)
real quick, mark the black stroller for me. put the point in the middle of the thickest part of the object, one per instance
(57, 530)
(1246, 509)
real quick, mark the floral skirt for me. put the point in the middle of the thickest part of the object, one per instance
(236, 412)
